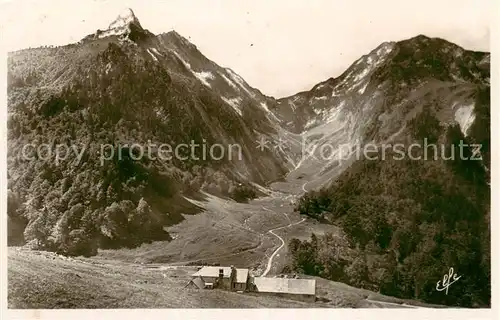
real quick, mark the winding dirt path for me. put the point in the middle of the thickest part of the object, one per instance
(304, 187)
(270, 261)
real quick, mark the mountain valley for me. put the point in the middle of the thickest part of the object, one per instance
(299, 198)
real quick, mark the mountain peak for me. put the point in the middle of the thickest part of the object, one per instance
(125, 26)
(123, 21)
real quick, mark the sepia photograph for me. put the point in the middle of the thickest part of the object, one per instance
(248, 155)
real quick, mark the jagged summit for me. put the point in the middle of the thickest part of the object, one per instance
(125, 26)
(123, 21)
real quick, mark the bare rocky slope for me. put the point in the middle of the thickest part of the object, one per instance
(419, 203)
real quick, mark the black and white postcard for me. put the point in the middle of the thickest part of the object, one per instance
(178, 156)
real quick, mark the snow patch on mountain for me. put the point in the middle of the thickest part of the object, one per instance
(264, 106)
(385, 49)
(362, 74)
(235, 103)
(319, 98)
(321, 86)
(184, 62)
(123, 20)
(372, 62)
(152, 55)
(156, 52)
(121, 25)
(231, 83)
(109, 33)
(465, 116)
(310, 124)
(363, 88)
(204, 76)
(240, 82)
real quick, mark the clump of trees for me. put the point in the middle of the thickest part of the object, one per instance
(243, 193)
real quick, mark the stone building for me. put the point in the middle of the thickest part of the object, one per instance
(236, 279)
(228, 278)
(298, 289)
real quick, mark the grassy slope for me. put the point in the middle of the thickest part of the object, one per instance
(114, 280)
(46, 280)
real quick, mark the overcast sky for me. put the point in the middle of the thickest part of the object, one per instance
(278, 46)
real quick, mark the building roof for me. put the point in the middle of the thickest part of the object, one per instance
(213, 272)
(241, 275)
(283, 285)
(198, 282)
